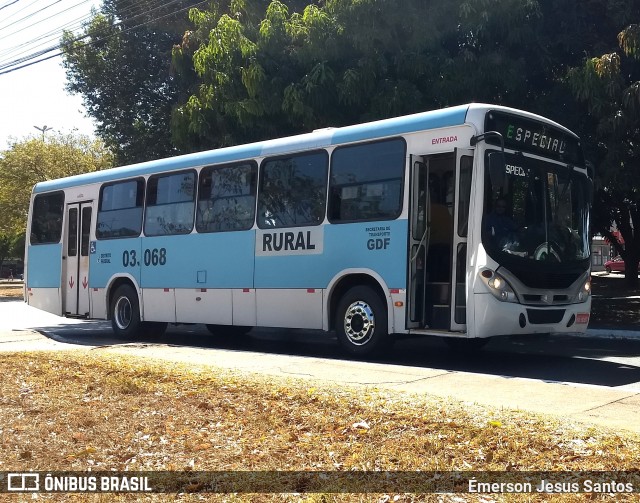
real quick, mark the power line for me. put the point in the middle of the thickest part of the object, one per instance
(49, 37)
(27, 60)
(8, 4)
(11, 54)
(29, 16)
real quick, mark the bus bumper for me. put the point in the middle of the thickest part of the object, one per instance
(493, 317)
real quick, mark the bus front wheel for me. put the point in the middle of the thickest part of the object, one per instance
(125, 312)
(361, 322)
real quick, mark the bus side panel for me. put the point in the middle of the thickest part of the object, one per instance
(44, 270)
(202, 270)
(109, 258)
(379, 246)
(290, 308)
(287, 280)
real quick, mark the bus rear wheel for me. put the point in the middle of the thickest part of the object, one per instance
(125, 316)
(361, 322)
(125, 312)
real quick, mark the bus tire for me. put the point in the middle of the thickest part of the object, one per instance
(361, 322)
(125, 312)
(228, 330)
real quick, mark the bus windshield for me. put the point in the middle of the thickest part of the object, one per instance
(536, 211)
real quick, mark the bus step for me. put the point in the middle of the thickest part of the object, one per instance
(439, 293)
(440, 316)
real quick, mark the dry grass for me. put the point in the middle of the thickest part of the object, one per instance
(11, 291)
(91, 411)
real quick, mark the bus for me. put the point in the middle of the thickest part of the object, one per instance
(370, 231)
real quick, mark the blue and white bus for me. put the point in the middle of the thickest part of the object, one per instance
(371, 230)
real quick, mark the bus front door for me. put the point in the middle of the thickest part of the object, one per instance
(464, 172)
(440, 195)
(75, 258)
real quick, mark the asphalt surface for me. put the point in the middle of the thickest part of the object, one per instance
(495, 378)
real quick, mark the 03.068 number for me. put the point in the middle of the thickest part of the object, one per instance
(151, 257)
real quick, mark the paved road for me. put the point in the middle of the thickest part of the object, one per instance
(612, 363)
(594, 380)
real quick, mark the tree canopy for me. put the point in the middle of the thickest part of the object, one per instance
(34, 160)
(121, 66)
(609, 86)
(169, 79)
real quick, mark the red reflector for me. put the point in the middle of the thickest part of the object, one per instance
(311, 290)
(246, 290)
(95, 289)
(166, 289)
(582, 318)
(203, 289)
(395, 290)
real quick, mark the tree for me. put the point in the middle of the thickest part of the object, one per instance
(34, 160)
(609, 85)
(11, 246)
(121, 65)
(295, 68)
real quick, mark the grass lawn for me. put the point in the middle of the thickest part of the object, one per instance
(84, 410)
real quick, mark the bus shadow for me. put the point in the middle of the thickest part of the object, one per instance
(576, 360)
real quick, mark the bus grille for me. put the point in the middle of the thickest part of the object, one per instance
(545, 316)
(536, 279)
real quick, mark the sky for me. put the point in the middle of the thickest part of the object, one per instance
(35, 96)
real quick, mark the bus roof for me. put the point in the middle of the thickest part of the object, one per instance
(453, 116)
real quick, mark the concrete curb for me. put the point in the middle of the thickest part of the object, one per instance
(611, 333)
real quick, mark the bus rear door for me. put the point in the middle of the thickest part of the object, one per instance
(75, 284)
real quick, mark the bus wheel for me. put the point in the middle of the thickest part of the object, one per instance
(361, 322)
(125, 312)
(228, 330)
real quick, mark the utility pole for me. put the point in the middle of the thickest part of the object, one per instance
(43, 129)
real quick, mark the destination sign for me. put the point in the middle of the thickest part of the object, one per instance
(529, 135)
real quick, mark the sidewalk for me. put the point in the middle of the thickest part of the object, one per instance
(613, 332)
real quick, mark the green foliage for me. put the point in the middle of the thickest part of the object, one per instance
(33, 160)
(122, 68)
(609, 87)
(291, 68)
(245, 71)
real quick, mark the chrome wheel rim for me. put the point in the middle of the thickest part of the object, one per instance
(359, 323)
(122, 313)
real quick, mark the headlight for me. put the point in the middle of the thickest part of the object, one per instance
(498, 286)
(585, 291)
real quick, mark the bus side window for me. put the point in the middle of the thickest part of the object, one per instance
(46, 220)
(226, 198)
(170, 204)
(120, 209)
(293, 190)
(366, 181)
